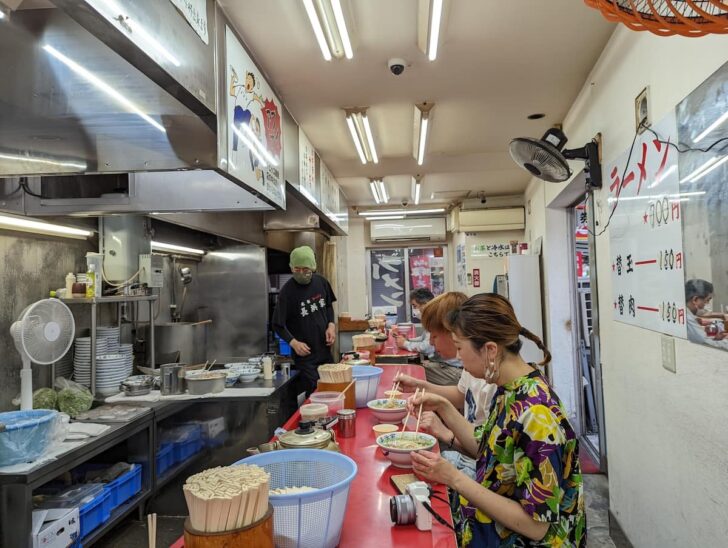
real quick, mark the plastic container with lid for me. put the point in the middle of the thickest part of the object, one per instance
(333, 400)
(314, 411)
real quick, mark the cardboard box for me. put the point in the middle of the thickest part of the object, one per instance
(55, 528)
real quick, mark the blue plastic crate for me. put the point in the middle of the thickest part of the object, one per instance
(183, 450)
(122, 488)
(165, 458)
(284, 349)
(94, 513)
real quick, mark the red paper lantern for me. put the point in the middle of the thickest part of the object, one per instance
(667, 17)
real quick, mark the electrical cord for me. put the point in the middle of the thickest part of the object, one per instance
(23, 183)
(629, 157)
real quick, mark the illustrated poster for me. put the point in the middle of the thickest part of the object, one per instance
(646, 235)
(255, 147)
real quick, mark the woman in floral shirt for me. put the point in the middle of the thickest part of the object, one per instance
(528, 486)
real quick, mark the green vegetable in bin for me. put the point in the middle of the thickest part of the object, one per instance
(44, 398)
(73, 398)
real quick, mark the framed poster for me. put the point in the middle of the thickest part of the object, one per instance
(255, 147)
(387, 280)
(645, 234)
(307, 168)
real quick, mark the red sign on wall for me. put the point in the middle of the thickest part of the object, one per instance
(476, 277)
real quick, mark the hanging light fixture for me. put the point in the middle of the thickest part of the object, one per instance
(430, 18)
(379, 191)
(329, 27)
(361, 134)
(422, 123)
(667, 17)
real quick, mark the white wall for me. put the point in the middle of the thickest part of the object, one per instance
(356, 284)
(489, 267)
(666, 435)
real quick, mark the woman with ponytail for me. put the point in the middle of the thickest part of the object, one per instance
(528, 486)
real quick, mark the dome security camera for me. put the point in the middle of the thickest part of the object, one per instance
(397, 65)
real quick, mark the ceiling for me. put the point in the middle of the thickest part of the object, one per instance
(497, 63)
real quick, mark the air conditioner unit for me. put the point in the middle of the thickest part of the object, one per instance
(488, 220)
(413, 229)
(492, 202)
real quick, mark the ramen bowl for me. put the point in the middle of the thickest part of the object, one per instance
(398, 446)
(388, 411)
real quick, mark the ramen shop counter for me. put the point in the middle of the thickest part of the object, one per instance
(367, 522)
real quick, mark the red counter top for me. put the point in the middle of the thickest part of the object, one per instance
(367, 522)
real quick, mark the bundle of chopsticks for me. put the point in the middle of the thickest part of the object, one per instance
(421, 392)
(152, 530)
(335, 372)
(363, 341)
(227, 498)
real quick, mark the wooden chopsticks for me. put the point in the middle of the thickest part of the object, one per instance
(152, 530)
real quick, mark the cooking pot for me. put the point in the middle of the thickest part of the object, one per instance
(189, 338)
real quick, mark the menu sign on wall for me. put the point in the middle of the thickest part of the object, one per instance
(195, 12)
(329, 192)
(254, 125)
(307, 167)
(647, 258)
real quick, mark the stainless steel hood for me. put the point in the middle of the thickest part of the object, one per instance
(71, 104)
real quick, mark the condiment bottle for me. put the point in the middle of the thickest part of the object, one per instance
(70, 280)
(267, 368)
(91, 282)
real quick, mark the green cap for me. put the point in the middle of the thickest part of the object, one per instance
(303, 257)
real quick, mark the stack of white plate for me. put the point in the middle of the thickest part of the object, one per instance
(64, 366)
(82, 358)
(111, 334)
(127, 350)
(111, 369)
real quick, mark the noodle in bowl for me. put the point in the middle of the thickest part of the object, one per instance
(398, 446)
(390, 411)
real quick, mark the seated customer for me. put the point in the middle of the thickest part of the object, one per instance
(698, 301)
(472, 396)
(418, 299)
(529, 490)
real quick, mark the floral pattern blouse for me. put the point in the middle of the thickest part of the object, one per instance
(530, 454)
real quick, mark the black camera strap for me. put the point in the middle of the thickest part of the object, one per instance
(437, 516)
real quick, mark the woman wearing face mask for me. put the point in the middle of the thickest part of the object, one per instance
(528, 487)
(304, 317)
(699, 304)
(418, 298)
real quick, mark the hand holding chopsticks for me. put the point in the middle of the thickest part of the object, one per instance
(419, 414)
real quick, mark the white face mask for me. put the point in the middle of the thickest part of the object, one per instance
(415, 313)
(708, 308)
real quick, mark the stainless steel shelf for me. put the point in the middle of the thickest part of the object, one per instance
(113, 299)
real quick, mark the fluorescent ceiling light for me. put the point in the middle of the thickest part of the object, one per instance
(418, 186)
(383, 192)
(40, 227)
(422, 120)
(416, 189)
(370, 212)
(386, 218)
(361, 134)
(711, 168)
(103, 86)
(711, 127)
(434, 38)
(180, 248)
(375, 192)
(2, 14)
(429, 26)
(46, 161)
(113, 12)
(329, 27)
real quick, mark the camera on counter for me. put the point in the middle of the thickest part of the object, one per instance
(410, 507)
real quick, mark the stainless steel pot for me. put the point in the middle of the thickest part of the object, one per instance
(172, 379)
(189, 338)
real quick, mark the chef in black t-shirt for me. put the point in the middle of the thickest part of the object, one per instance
(304, 317)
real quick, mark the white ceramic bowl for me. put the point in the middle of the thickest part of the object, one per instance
(388, 416)
(248, 375)
(402, 458)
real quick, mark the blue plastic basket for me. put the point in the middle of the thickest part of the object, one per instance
(26, 436)
(367, 382)
(165, 458)
(183, 450)
(94, 513)
(122, 488)
(312, 518)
